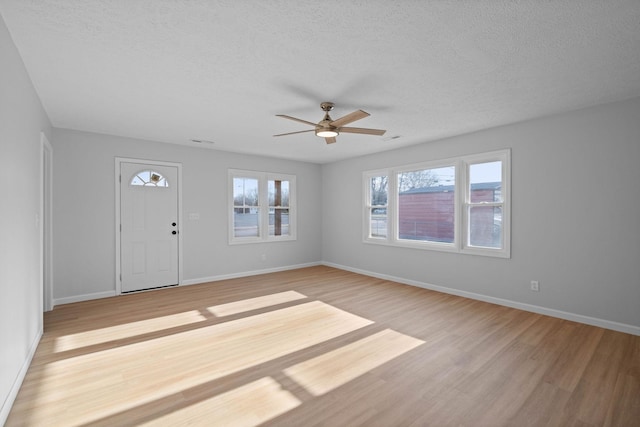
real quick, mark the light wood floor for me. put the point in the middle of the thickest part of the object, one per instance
(323, 347)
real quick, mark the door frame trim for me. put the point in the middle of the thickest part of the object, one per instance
(46, 222)
(118, 162)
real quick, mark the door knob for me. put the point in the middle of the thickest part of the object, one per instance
(174, 232)
(173, 223)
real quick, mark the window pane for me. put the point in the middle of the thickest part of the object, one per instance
(379, 190)
(149, 178)
(379, 196)
(426, 205)
(426, 178)
(378, 224)
(245, 192)
(485, 226)
(278, 193)
(486, 182)
(245, 222)
(278, 222)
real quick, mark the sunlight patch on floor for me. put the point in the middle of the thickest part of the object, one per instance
(126, 330)
(254, 303)
(249, 405)
(333, 369)
(141, 373)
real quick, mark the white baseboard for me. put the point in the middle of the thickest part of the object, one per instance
(107, 294)
(247, 273)
(8, 403)
(85, 297)
(607, 324)
(593, 321)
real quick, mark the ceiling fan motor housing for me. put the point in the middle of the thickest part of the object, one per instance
(324, 125)
(326, 106)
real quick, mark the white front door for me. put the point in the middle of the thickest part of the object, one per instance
(149, 226)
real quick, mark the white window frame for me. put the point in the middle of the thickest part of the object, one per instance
(461, 205)
(263, 206)
(369, 206)
(503, 156)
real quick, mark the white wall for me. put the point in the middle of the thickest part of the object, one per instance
(575, 214)
(22, 118)
(84, 214)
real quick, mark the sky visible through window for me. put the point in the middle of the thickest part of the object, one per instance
(479, 172)
(245, 191)
(444, 176)
(485, 172)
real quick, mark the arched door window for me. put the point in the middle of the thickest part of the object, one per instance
(149, 178)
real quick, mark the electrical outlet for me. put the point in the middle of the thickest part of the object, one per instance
(535, 286)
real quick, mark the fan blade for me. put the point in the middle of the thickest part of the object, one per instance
(351, 117)
(330, 140)
(296, 120)
(293, 133)
(362, 130)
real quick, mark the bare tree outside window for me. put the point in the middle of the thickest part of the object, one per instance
(379, 190)
(417, 179)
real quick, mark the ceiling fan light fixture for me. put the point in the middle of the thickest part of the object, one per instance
(326, 133)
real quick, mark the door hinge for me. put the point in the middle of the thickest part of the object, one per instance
(119, 178)
(121, 228)
(121, 277)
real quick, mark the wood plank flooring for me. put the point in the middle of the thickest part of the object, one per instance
(323, 347)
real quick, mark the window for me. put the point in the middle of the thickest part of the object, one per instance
(149, 178)
(484, 205)
(377, 206)
(278, 191)
(426, 207)
(245, 207)
(457, 205)
(262, 207)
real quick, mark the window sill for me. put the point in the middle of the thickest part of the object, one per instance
(250, 240)
(440, 247)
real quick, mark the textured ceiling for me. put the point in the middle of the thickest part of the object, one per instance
(172, 71)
